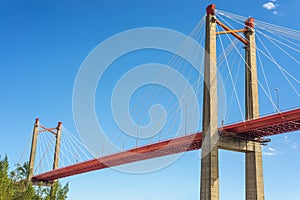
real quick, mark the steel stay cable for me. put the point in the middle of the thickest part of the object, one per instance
(232, 94)
(264, 75)
(73, 143)
(292, 57)
(262, 24)
(283, 72)
(77, 140)
(44, 153)
(173, 58)
(178, 64)
(188, 40)
(198, 83)
(176, 105)
(275, 62)
(232, 82)
(270, 98)
(65, 146)
(180, 50)
(25, 149)
(272, 38)
(280, 68)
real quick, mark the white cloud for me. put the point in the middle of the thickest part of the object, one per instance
(271, 149)
(269, 6)
(290, 142)
(295, 146)
(286, 140)
(275, 12)
(270, 152)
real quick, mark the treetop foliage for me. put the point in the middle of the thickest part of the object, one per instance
(13, 185)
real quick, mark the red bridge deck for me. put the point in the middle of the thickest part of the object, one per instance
(261, 127)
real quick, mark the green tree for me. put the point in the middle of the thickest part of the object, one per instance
(13, 185)
(58, 192)
(6, 184)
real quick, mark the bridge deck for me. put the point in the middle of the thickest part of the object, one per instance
(260, 127)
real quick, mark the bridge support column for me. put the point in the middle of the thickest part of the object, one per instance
(209, 158)
(254, 169)
(57, 146)
(254, 175)
(33, 150)
(56, 158)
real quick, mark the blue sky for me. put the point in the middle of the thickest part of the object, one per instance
(43, 44)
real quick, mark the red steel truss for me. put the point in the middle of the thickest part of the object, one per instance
(257, 128)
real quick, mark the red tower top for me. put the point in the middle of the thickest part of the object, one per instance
(250, 22)
(210, 10)
(59, 123)
(36, 120)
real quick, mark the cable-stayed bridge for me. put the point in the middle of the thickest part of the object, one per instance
(244, 50)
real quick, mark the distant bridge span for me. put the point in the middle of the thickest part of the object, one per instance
(256, 128)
